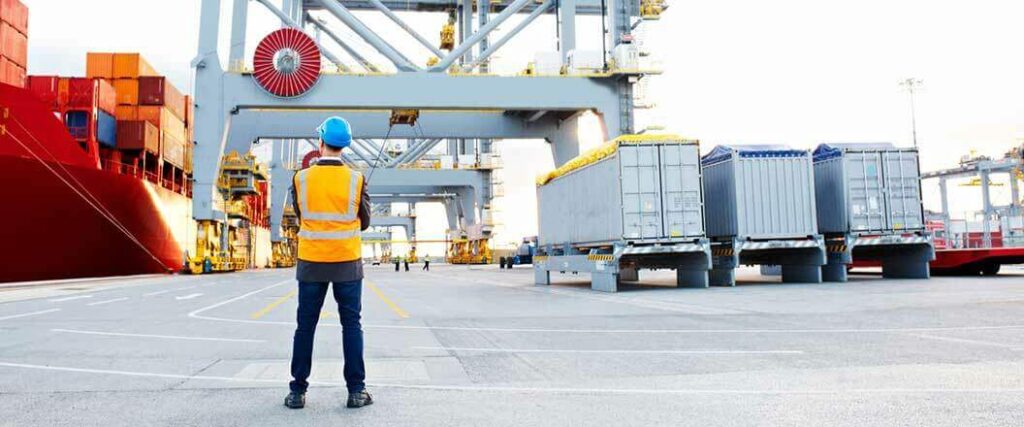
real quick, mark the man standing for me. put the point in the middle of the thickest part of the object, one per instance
(426, 263)
(333, 207)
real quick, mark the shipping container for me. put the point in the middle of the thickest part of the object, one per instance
(11, 73)
(131, 66)
(99, 65)
(189, 152)
(138, 135)
(92, 93)
(173, 150)
(158, 91)
(759, 192)
(189, 113)
(106, 129)
(52, 90)
(13, 44)
(127, 91)
(15, 14)
(127, 112)
(636, 189)
(162, 118)
(868, 189)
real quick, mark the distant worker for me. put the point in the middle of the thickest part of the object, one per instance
(406, 264)
(333, 207)
(398, 264)
(426, 263)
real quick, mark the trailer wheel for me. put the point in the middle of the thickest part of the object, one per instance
(990, 269)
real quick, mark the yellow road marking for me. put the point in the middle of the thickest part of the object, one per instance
(270, 307)
(394, 307)
(327, 315)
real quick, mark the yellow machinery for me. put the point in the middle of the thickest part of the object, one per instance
(412, 256)
(651, 9)
(470, 251)
(448, 32)
(227, 246)
(285, 252)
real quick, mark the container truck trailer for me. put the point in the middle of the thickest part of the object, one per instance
(633, 203)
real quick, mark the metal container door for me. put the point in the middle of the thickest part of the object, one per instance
(865, 186)
(903, 190)
(641, 192)
(683, 211)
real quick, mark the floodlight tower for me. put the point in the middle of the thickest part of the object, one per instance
(910, 85)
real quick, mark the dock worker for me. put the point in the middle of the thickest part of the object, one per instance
(333, 208)
(426, 262)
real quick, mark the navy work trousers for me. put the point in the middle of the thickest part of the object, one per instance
(311, 301)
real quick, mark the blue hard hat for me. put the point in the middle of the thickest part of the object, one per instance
(335, 132)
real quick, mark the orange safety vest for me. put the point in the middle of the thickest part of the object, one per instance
(328, 198)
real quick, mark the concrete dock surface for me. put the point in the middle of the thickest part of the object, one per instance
(481, 346)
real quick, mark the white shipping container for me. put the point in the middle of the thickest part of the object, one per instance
(759, 192)
(447, 162)
(627, 56)
(547, 63)
(867, 189)
(646, 191)
(585, 61)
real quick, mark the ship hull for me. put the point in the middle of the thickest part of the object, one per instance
(62, 221)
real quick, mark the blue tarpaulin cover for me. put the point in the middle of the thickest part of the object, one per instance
(724, 152)
(833, 150)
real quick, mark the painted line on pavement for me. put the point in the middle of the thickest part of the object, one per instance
(189, 296)
(34, 313)
(968, 341)
(391, 304)
(157, 293)
(196, 314)
(270, 307)
(571, 351)
(107, 301)
(556, 390)
(169, 337)
(71, 298)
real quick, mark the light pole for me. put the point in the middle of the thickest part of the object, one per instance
(911, 84)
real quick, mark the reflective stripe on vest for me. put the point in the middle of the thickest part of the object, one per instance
(329, 229)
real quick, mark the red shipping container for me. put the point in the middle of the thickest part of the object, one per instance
(13, 74)
(138, 135)
(13, 45)
(85, 93)
(158, 91)
(16, 14)
(47, 89)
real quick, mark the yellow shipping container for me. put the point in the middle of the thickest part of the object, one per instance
(99, 65)
(127, 112)
(127, 91)
(131, 66)
(164, 119)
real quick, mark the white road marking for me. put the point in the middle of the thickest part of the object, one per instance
(196, 314)
(157, 293)
(571, 351)
(169, 337)
(108, 301)
(968, 341)
(189, 296)
(71, 298)
(34, 313)
(557, 390)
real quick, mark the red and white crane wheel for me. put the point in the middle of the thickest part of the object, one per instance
(287, 63)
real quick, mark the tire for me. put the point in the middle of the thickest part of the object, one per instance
(990, 269)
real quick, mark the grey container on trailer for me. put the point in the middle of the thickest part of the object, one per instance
(646, 191)
(868, 189)
(759, 192)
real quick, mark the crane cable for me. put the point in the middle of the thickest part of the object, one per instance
(383, 144)
(91, 199)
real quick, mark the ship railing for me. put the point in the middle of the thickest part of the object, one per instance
(122, 168)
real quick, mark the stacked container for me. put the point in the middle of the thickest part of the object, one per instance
(86, 106)
(143, 96)
(13, 42)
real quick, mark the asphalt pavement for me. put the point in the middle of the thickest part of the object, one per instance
(480, 346)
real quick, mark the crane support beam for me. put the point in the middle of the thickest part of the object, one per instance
(466, 45)
(583, 7)
(510, 35)
(366, 64)
(391, 15)
(401, 62)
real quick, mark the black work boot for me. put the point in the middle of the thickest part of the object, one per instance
(359, 399)
(295, 400)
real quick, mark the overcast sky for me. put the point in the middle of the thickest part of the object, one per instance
(797, 72)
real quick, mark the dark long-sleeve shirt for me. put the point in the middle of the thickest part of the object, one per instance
(311, 271)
